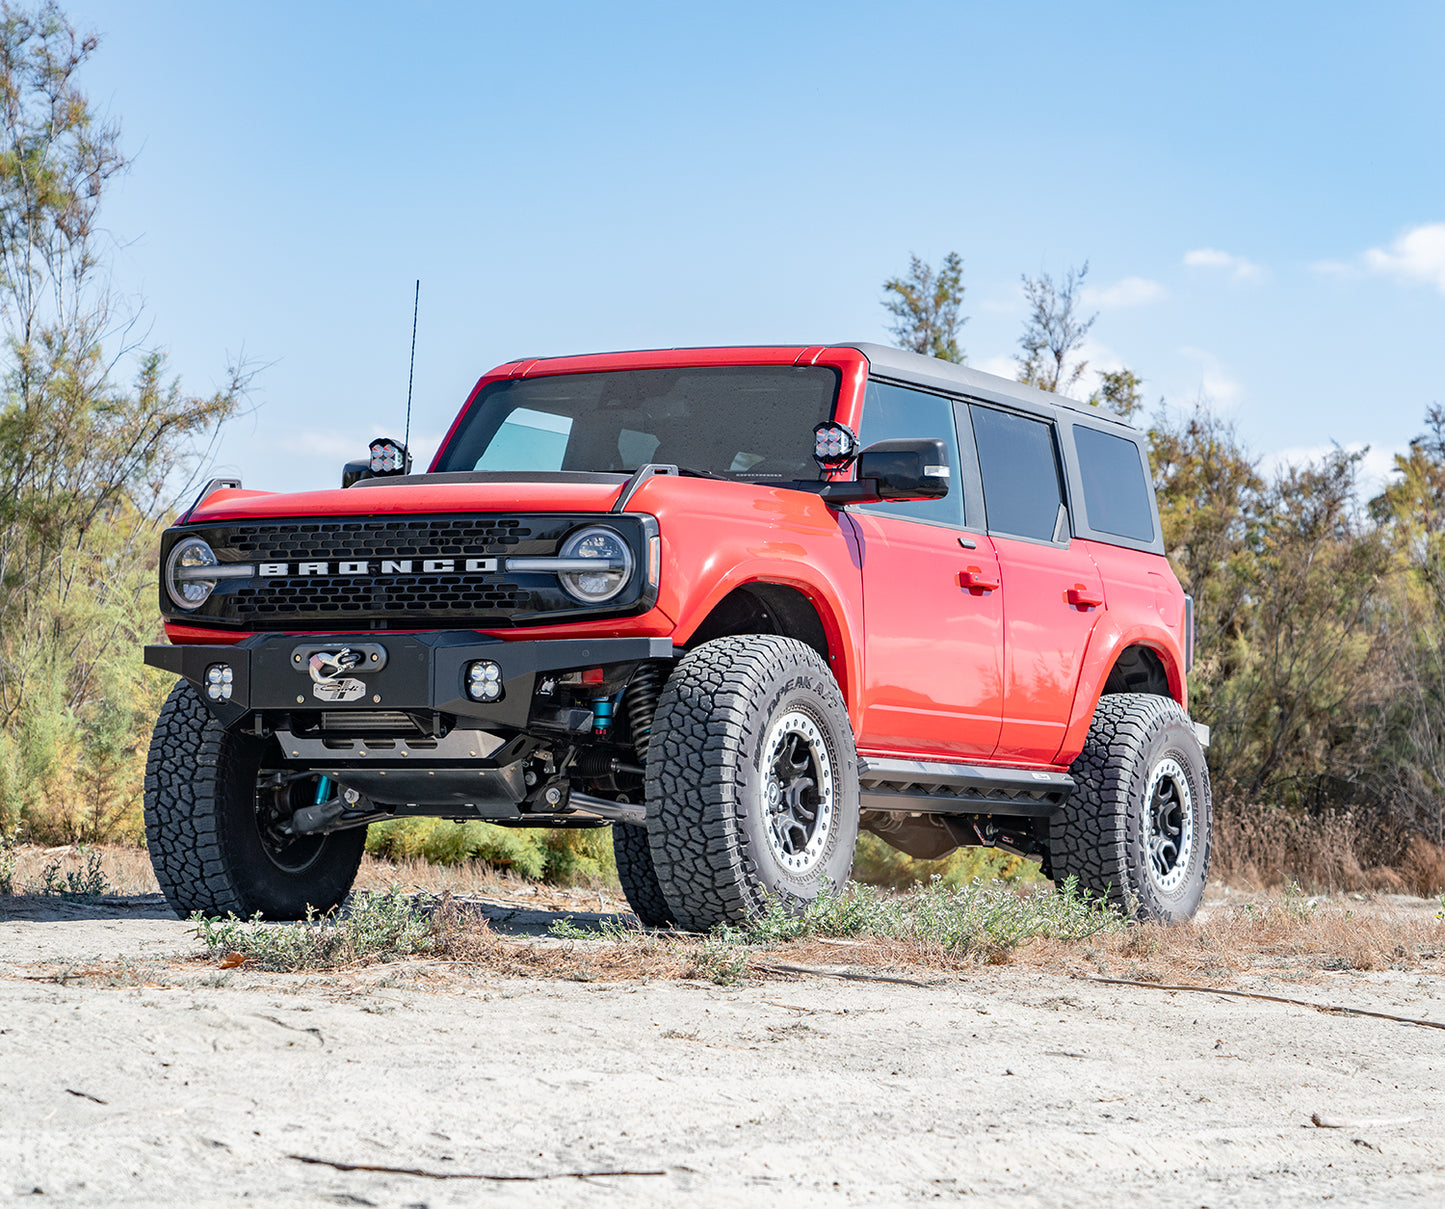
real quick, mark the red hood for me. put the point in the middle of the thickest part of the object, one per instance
(410, 498)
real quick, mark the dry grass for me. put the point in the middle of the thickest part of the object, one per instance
(871, 935)
(1275, 935)
(127, 871)
(476, 879)
(1338, 852)
(124, 868)
(1281, 936)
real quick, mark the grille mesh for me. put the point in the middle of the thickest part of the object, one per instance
(400, 595)
(442, 537)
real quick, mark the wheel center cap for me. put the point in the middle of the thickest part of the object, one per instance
(775, 792)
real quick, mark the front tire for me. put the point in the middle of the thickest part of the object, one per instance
(639, 877)
(1138, 827)
(752, 781)
(211, 800)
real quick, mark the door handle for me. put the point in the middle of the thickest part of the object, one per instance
(1082, 597)
(975, 580)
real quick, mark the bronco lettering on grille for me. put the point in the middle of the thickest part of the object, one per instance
(388, 566)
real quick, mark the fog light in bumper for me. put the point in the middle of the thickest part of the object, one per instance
(484, 681)
(218, 681)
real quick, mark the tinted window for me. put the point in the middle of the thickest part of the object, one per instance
(740, 422)
(1021, 488)
(1116, 493)
(894, 413)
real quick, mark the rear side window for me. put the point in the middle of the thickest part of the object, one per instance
(1022, 491)
(1116, 493)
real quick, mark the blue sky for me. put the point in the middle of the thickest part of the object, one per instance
(1259, 189)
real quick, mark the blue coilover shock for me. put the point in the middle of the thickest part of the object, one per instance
(601, 716)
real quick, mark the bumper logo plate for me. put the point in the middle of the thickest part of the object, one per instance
(343, 689)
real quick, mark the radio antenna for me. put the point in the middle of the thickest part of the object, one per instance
(411, 372)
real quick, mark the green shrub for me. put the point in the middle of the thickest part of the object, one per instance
(877, 864)
(377, 926)
(563, 856)
(976, 920)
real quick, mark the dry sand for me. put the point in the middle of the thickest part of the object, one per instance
(133, 1074)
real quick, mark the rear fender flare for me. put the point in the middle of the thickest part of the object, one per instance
(1105, 646)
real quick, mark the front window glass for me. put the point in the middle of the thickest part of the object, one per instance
(893, 412)
(748, 423)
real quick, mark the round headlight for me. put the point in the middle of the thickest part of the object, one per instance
(614, 564)
(186, 581)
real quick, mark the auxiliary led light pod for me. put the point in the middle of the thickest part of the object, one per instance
(484, 681)
(219, 677)
(835, 445)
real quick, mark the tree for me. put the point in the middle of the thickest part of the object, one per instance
(925, 306)
(1054, 333)
(1411, 512)
(1119, 393)
(87, 464)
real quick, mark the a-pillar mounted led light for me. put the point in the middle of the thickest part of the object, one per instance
(835, 445)
(389, 456)
(218, 681)
(484, 681)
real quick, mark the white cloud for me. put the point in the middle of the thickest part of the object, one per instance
(1417, 255)
(1372, 471)
(1213, 258)
(1214, 383)
(1131, 291)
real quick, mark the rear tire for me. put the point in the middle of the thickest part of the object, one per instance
(638, 876)
(752, 781)
(1138, 827)
(210, 799)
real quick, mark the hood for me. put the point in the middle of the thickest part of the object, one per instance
(418, 494)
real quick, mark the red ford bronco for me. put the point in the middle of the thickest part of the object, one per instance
(736, 603)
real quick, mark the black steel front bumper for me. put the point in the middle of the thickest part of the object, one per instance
(427, 671)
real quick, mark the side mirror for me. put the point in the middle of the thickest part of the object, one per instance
(895, 470)
(907, 469)
(387, 457)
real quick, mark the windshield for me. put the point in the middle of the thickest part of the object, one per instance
(750, 423)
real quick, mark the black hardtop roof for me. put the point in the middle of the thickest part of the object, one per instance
(937, 374)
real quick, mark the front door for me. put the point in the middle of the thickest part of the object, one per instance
(932, 605)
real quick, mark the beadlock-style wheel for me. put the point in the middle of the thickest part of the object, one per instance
(1169, 825)
(799, 791)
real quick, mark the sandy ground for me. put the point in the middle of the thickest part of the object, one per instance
(133, 1074)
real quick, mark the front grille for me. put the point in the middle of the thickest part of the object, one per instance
(396, 598)
(449, 537)
(445, 596)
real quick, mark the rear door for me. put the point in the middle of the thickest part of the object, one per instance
(1053, 592)
(933, 611)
